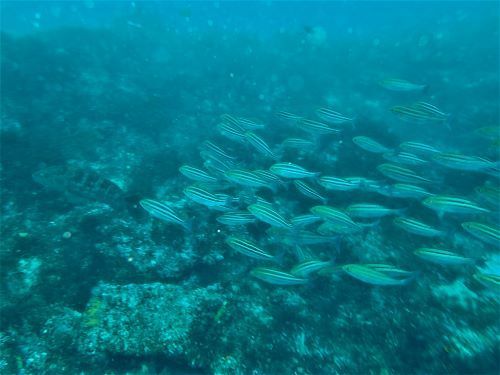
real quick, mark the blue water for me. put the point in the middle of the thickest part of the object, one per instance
(110, 264)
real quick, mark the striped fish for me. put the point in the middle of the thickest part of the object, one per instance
(229, 201)
(232, 131)
(409, 114)
(277, 277)
(483, 232)
(417, 227)
(371, 276)
(333, 117)
(236, 218)
(215, 161)
(213, 186)
(390, 270)
(269, 215)
(401, 191)
(298, 143)
(370, 145)
(248, 248)
(380, 188)
(371, 210)
(316, 127)
(288, 118)
(401, 174)
(337, 217)
(431, 110)
(362, 182)
(463, 162)
(212, 148)
(448, 204)
(405, 158)
(396, 84)
(268, 177)
(301, 221)
(196, 174)
(307, 267)
(201, 196)
(489, 280)
(419, 148)
(246, 178)
(249, 124)
(338, 184)
(333, 229)
(308, 190)
(416, 115)
(229, 119)
(259, 144)
(162, 211)
(215, 167)
(443, 257)
(408, 191)
(290, 170)
(261, 200)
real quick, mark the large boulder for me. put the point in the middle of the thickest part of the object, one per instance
(142, 319)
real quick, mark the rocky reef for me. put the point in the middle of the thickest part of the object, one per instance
(89, 287)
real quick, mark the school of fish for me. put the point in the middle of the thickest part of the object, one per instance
(232, 188)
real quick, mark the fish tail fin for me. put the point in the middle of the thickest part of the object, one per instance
(425, 89)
